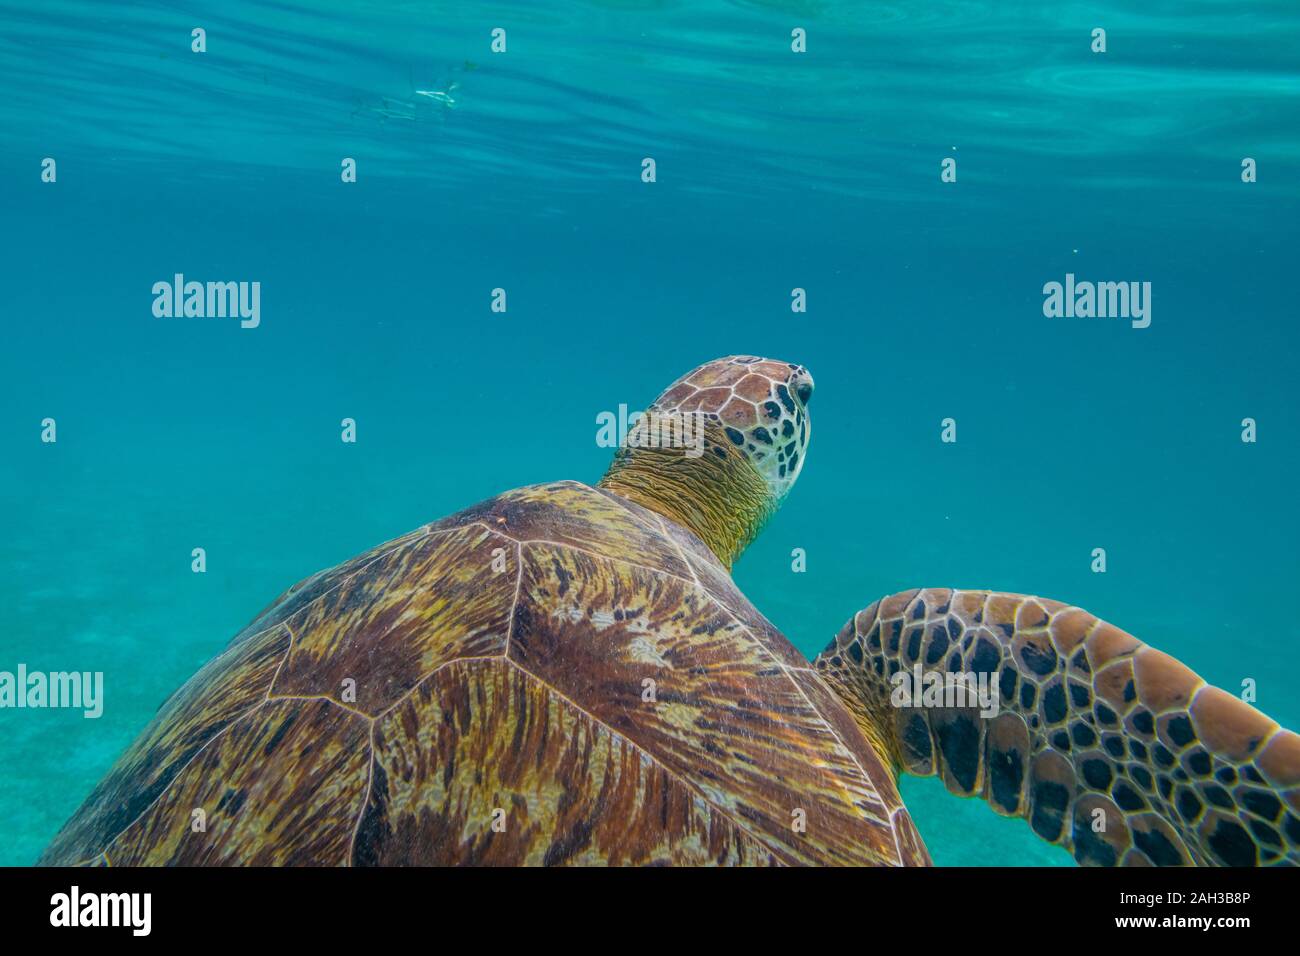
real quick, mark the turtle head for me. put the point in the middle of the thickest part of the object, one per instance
(719, 450)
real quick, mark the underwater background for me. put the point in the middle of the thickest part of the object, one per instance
(775, 170)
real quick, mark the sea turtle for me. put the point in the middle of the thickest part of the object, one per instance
(567, 674)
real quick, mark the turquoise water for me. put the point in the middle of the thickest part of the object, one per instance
(775, 170)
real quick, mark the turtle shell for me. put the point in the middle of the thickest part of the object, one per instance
(553, 676)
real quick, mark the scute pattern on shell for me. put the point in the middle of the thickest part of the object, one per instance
(499, 659)
(459, 608)
(300, 817)
(566, 789)
(222, 691)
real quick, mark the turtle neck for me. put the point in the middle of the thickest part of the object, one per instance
(720, 497)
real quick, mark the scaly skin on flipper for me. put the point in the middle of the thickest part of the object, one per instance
(1090, 719)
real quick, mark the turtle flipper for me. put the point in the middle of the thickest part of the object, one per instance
(1107, 746)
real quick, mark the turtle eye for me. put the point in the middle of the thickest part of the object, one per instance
(804, 391)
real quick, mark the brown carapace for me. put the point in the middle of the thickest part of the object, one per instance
(567, 674)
